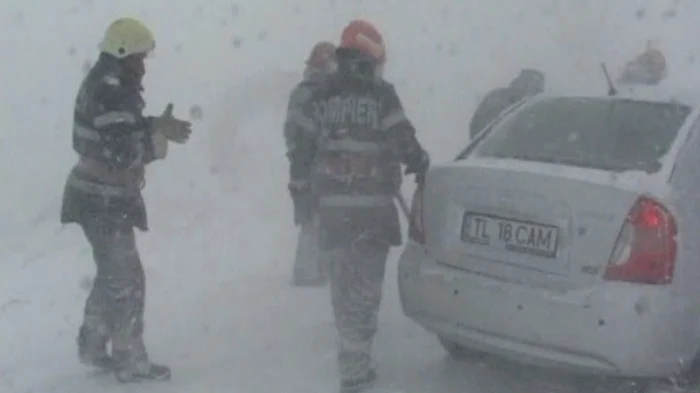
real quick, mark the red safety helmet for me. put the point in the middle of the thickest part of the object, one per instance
(363, 36)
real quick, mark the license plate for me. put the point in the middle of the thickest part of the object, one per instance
(512, 235)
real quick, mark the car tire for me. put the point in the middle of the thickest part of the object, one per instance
(460, 353)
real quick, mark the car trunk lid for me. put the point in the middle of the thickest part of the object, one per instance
(532, 223)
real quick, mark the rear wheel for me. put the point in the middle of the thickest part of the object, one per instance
(459, 352)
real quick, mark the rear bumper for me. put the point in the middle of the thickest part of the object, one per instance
(617, 329)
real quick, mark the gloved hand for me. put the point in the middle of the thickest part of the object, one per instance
(419, 167)
(305, 201)
(173, 129)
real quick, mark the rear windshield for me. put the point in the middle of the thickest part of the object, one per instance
(615, 135)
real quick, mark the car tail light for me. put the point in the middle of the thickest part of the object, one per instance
(645, 252)
(416, 229)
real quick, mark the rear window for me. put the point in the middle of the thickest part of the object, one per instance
(615, 135)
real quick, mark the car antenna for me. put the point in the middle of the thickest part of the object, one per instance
(612, 91)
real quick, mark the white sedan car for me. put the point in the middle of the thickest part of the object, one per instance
(565, 235)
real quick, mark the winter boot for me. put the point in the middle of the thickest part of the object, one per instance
(146, 371)
(92, 349)
(129, 369)
(359, 385)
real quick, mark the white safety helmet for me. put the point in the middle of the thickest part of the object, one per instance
(125, 37)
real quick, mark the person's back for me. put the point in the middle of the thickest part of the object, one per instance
(368, 138)
(351, 155)
(528, 83)
(649, 68)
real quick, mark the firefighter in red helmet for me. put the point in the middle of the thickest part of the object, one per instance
(355, 137)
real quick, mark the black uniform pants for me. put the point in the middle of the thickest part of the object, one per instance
(115, 307)
(356, 281)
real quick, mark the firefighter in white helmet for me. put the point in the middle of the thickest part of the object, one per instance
(115, 141)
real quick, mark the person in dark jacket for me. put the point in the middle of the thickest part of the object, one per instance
(529, 82)
(115, 142)
(355, 138)
(309, 263)
(649, 68)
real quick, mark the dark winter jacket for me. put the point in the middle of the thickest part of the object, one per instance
(297, 99)
(113, 141)
(355, 138)
(305, 204)
(640, 71)
(527, 83)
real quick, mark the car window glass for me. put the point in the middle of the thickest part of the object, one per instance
(601, 133)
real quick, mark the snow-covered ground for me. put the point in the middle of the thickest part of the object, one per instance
(220, 309)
